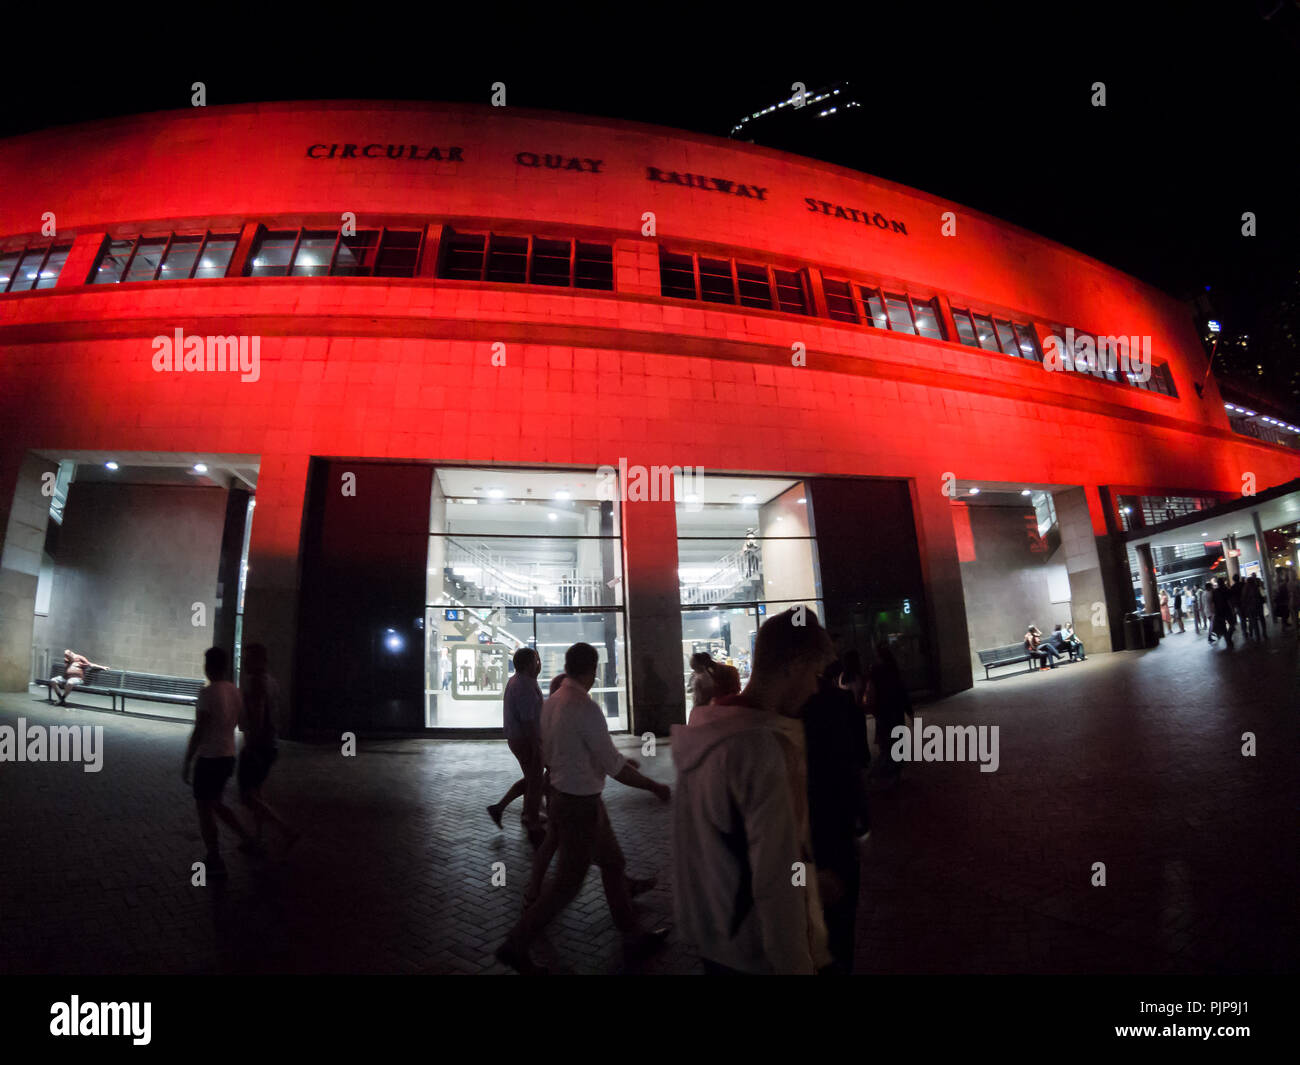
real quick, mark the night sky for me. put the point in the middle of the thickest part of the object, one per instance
(1202, 120)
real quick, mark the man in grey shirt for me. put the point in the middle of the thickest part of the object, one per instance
(522, 719)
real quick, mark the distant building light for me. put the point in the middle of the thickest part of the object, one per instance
(1213, 326)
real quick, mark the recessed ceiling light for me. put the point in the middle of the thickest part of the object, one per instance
(974, 491)
(749, 500)
(496, 493)
(553, 516)
(563, 494)
(199, 467)
(1025, 492)
(110, 465)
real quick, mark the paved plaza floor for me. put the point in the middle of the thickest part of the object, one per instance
(1133, 760)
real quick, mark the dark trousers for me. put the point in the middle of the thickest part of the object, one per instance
(841, 922)
(583, 835)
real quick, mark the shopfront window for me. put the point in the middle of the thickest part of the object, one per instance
(519, 558)
(746, 550)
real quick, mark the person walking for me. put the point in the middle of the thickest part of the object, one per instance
(1224, 620)
(1282, 603)
(1179, 592)
(521, 717)
(740, 823)
(580, 754)
(889, 701)
(1198, 610)
(1206, 596)
(1234, 599)
(260, 696)
(1164, 611)
(838, 756)
(211, 751)
(1253, 597)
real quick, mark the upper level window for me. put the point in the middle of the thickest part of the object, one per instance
(903, 313)
(329, 253)
(997, 334)
(686, 275)
(171, 257)
(531, 260)
(31, 267)
(1160, 381)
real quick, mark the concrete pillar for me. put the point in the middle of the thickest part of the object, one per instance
(949, 641)
(1265, 562)
(274, 568)
(24, 514)
(652, 599)
(1090, 607)
(1147, 572)
(1231, 563)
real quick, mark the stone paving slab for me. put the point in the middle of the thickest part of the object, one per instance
(1129, 759)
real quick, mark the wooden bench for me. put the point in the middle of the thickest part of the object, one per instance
(119, 684)
(1007, 655)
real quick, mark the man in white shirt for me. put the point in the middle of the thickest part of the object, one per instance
(213, 742)
(522, 721)
(580, 754)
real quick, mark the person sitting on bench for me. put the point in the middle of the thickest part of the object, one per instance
(1072, 642)
(1039, 649)
(74, 674)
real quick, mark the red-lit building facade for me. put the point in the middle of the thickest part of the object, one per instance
(453, 317)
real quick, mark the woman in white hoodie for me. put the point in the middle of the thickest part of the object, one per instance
(745, 889)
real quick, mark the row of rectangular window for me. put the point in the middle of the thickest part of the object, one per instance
(499, 258)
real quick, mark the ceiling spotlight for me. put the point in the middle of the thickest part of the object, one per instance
(552, 516)
(496, 493)
(563, 495)
(199, 467)
(110, 465)
(749, 500)
(974, 491)
(1025, 492)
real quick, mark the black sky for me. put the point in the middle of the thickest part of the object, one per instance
(992, 110)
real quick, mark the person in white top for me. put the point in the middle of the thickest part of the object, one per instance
(212, 751)
(580, 754)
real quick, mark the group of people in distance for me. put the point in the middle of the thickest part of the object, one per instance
(769, 811)
(1044, 651)
(1224, 602)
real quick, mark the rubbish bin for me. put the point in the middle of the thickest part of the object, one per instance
(1134, 636)
(1152, 629)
